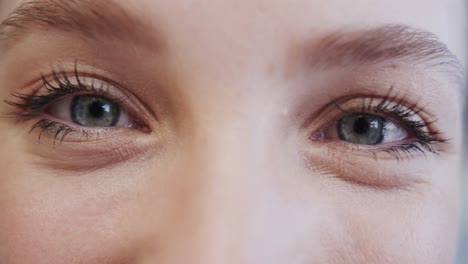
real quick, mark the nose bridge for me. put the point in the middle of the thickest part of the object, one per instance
(227, 138)
(238, 215)
(230, 165)
(228, 177)
(227, 162)
(230, 147)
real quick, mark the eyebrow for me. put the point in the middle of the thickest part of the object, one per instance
(91, 19)
(384, 44)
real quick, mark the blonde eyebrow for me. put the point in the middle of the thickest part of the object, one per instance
(388, 43)
(383, 43)
(91, 19)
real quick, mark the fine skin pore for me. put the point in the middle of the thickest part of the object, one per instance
(227, 152)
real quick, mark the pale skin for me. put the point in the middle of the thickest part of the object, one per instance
(232, 160)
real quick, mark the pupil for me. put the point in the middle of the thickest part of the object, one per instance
(361, 126)
(96, 109)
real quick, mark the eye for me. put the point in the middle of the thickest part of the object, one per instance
(89, 111)
(386, 126)
(74, 107)
(368, 129)
(350, 132)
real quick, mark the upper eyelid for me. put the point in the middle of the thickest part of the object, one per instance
(382, 107)
(418, 107)
(57, 86)
(90, 84)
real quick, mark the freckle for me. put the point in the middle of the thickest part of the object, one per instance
(394, 66)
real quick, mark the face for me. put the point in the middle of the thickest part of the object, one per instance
(300, 131)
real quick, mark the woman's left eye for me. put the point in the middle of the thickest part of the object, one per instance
(368, 129)
(89, 111)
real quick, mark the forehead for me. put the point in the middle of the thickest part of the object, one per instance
(242, 18)
(238, 21)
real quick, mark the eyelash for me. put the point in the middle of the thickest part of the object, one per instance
(32, 106)
(390, 107)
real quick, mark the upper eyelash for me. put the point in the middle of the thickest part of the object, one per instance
(31, 106)
(393, 107)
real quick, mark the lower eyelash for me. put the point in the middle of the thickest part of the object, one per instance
(57, 129)
(406, 150)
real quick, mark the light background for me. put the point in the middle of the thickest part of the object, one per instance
(463, 246)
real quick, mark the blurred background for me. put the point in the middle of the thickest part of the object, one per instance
(463, 246)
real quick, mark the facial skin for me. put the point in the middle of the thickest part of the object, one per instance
(233, 158)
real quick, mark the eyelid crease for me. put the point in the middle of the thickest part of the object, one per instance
(367, 103)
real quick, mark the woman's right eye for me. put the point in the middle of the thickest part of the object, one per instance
(88, 110)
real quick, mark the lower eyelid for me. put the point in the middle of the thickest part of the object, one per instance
(354, 167)
(89, 155)
(58, 132)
